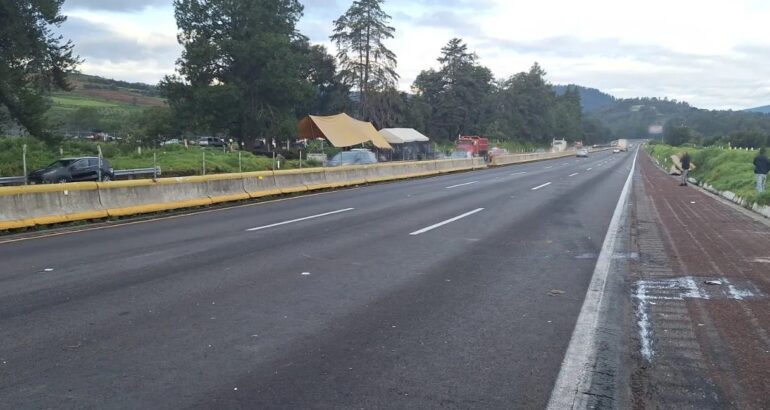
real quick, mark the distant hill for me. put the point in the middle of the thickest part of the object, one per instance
(765, 109)
(97, 103)
(115, 91)
(590, 98)
(633, 118)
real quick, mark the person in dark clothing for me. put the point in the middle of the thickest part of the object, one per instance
(685, 168)
(761, 168)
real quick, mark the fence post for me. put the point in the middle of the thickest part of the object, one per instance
(240, 163)
(24, 161)
(154, 166)
(300, 159)
(99, 171)
(204, 163)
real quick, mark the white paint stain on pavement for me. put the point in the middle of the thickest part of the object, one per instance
(650, 290)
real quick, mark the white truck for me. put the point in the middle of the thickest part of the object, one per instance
(623, 145)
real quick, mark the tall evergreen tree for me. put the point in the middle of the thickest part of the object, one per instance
(242, 66)
(33, 60)
(456, 93)
(360, 36)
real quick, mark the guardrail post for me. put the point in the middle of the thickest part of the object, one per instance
(154, 166)
(240, 163)
(99, 171)
(204, 163)
(300, 159)
(24, 161)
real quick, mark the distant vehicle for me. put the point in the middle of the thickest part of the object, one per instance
(72, 170)
(358, 156)
(173, 141)
(582, 153)
(558, 145)
(616, 150)
(497, 151)
(475, 145)
(460, 155)
(212, 142)
(623, 145)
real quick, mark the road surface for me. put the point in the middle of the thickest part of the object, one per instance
(417, 294)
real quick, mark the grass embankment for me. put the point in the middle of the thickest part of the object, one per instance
(724, 169)
(173, 160)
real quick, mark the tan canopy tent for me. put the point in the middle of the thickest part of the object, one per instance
(341, 130)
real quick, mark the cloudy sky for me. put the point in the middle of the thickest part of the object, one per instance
(711, 53)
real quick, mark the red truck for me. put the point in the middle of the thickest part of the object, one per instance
(477, 146)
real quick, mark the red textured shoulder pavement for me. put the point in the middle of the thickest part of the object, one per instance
(700, 289)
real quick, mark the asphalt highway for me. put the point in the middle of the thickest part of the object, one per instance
(418, 294)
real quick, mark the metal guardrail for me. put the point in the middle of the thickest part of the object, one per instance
(11, 180)
(117, 173)
(136, 171)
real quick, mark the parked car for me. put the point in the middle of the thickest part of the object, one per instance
(72, 170)
(173, 141)
(582, 153)
(212, 142)
(356, 156)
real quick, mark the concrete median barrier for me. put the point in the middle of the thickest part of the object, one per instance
(260, 184)
(314, 178)
(27, 206)
(47, 204)
(382, 172)
(225, 188)
(500, 160)
(121, 198)
(453, 165)
(289, 181)
(338, 177)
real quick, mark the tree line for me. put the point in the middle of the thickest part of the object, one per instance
(247, 72)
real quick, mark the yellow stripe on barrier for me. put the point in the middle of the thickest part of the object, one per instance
(45, 188)
(143, 209)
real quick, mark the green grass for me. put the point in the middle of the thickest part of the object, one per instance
(173, 160)
(73, 101)
(725, 170)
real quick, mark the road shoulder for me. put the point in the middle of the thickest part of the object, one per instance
(700, 298)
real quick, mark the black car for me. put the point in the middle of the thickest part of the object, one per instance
(72, 170)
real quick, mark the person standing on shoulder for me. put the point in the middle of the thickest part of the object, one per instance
(761, 168)
(685, 168)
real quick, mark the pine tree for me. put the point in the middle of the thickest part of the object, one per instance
(365, 61)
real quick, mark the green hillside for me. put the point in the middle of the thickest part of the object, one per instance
(100, 104)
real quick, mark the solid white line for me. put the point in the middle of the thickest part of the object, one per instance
(572, 175)
(455, 186)
(299, 219)
(519, 173)
(575, 374)
(541, 186)
(450, 220)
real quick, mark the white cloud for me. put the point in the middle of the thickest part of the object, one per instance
(713, 54)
